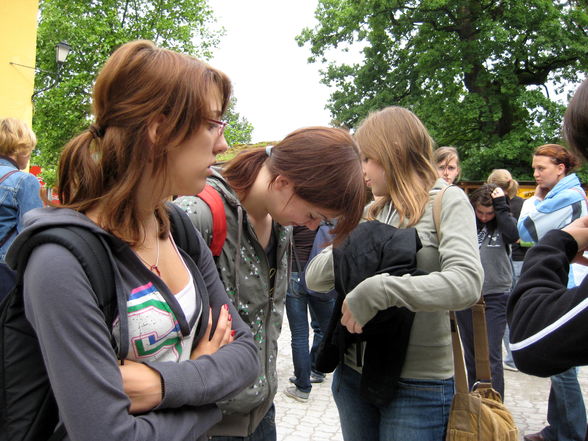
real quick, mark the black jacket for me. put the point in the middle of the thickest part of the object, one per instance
(548, 320)
(372, 248)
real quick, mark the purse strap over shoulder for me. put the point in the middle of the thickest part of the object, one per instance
(483, 373)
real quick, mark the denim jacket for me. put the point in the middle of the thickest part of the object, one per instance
(19, 193)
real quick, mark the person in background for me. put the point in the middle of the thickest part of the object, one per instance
(397, 156)
(300, 301)
(497, 230)
(447, 162)
(510, 186)
(186, 346)
(19, 191)
(312, 175)
(559, 200)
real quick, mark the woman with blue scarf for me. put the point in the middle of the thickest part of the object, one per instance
(559, 200)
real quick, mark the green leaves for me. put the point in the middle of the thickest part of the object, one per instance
(472, 70)
(94, 28)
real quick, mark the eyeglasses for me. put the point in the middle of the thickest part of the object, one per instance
(220, 125)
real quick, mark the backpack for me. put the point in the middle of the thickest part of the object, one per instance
(213, 199)
(28, 411)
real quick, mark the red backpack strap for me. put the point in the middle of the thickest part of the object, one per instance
(11, 172)
(219, 218)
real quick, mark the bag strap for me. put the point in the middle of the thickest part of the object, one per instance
(213, 199)
(11, 172)
(8, 235)
(483, 374)
(183, 231)
(89, 250)
(482, 355)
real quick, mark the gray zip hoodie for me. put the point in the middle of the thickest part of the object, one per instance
(244, 270)
(76, 341)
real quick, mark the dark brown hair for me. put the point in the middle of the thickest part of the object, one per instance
(483, 195)
(138, 84)
(575, 124)
(559, 155)
(322, 163)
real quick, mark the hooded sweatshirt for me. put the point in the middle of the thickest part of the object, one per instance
(245, 271)
(564, 203)
(76, 341)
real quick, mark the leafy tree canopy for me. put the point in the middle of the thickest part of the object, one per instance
(475, 71)
(239, 129)
(94, 28)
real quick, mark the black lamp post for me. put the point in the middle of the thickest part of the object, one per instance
(62, 50)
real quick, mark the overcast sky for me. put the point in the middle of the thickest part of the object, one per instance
(276, 89)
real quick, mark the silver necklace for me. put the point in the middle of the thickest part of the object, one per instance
(155, 267)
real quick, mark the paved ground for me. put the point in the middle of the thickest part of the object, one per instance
(526, 397)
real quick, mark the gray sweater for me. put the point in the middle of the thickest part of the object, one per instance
(454, 282)
(82, 366)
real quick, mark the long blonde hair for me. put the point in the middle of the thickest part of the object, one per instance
(502, 178)
(398, 140)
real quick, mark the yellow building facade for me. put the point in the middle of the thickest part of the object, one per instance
(18, 38)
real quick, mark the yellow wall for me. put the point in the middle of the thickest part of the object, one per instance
(18, 35)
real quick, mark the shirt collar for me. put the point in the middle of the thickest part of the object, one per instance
(10, 160)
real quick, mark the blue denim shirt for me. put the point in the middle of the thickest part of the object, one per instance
(19, 193)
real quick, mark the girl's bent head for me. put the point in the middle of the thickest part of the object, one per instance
(321, 164)
(148, 102)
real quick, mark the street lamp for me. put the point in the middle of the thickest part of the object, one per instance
(62, 50)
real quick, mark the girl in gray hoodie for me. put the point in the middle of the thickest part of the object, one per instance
(184, 338)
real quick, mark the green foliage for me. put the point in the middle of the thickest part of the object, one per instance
(238, 148)
(239, 129)
(473, 70)
(94, 28)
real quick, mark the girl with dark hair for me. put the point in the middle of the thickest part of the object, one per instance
(497, 230)
(397, 157)
(311, 176)
(146, 144)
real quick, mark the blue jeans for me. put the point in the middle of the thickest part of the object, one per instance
(266, 430)
(418, 412)
(298, 303)
(566, 413)
(495, 324)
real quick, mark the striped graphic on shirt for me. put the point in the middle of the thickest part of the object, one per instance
(147, 310)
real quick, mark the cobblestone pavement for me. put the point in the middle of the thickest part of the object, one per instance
(526, 397)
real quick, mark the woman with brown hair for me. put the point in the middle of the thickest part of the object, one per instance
(312, 175)
(147, 143)
(397, 156)
(558, 201)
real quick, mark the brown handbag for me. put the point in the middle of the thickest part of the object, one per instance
(479, 415)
